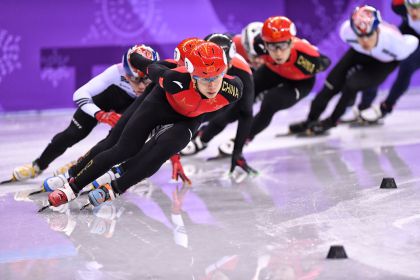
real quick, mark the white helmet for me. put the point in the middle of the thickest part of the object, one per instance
(248, 35)
(415, 4)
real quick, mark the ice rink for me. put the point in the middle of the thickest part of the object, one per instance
(311, 193)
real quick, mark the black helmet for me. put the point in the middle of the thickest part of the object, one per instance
(225, 42)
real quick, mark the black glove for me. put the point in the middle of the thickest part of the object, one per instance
(324, 63)
(239, 160)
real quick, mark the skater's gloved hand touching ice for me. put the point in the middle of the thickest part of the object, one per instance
(110, 118)
(240, 161)
(177, 170)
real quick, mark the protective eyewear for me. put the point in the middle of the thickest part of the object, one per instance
(209, 80)
(280, 45)
(145, 79)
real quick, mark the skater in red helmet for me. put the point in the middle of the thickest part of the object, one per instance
(240, 111)
(183, 96)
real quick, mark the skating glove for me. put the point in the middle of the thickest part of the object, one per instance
(324, 63)
(240, 161)
(177, 170)
(110, 118)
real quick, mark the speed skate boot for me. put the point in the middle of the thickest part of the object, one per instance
(114, 173)
(321, 127)
(376, 112)
(25, 172)
(194, 146)
(226, 148)
(52, 183)
(63, 169)
(61, 195)
(351, 116)
(299, 127)
(102, 194)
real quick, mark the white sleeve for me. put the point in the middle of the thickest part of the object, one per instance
(407, 46)
(345, 31)
(83, 96)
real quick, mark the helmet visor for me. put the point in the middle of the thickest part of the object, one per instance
(145, 79)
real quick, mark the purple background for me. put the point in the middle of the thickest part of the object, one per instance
(49, 48)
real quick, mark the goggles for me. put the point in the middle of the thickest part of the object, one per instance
(279, 45)
(209, 80)
(145, 79)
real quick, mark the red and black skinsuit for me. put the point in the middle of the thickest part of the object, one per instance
(174, 101)
(240, 111)
(283, 85)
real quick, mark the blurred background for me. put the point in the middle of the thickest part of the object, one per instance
(50, 48)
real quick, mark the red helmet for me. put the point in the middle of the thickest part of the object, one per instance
(206, 60)
(184, 48)
(277, 29)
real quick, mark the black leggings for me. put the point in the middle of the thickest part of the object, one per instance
(369, 74)
(113, 98)
(218, 123)
(80, 127)
(368, 95)
(154, 111)
(110, 140)
(154, 153)
(407, 68)
(279, 94)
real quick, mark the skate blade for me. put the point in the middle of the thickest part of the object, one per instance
(36, 192)
(8, 181)
(85, 206)
(43, 208)
(310, 134)
(218, 157)
(348, 121)
(366, 124)
(285, 134)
